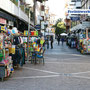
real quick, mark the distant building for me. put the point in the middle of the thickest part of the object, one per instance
(72, 19)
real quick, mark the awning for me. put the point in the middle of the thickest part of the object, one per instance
(82, 26)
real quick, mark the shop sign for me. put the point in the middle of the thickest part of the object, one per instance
(25, 33)
(2, 21)
(75, 18)
(38, 27)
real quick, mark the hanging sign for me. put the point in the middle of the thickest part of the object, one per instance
(75, 18)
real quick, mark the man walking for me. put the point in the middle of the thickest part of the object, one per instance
(51, 39)
(62, 40)
(47, 42)
(58, 39)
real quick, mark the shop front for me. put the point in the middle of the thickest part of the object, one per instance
(82, 34)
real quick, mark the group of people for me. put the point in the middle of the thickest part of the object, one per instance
(60, 39)
(49, 40)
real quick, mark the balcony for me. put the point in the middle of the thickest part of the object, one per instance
(11, 8)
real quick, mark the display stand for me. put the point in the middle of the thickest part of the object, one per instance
(5, 62)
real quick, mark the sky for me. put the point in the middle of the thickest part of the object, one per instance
(57, 7)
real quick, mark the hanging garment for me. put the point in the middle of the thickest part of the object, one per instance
(16, 57)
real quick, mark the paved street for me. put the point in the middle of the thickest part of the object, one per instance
(64, 69)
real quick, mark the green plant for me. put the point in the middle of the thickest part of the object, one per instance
(59, 27)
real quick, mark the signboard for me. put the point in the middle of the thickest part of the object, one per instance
(2, 21)
(75, 18)
(37, 27)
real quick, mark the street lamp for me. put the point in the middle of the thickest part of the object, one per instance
(28, 32)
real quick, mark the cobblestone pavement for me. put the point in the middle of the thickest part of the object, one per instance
(64, 69)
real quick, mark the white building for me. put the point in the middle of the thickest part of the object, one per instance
(13, 11)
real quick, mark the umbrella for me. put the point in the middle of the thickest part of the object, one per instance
(63, 34)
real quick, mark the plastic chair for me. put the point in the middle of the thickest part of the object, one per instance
(40, 57)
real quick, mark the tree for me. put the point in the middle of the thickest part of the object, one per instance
(59, 27)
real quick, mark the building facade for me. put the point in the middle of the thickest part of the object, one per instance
(85, 4)
(15, 13)
(72, 19)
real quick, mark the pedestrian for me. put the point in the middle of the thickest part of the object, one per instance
(47, 42)
(58, 39)
(51, 39)
(62, 40)
(42, 41)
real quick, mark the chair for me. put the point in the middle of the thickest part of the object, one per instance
(38, 56)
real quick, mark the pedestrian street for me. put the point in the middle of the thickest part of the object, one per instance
(64, 69)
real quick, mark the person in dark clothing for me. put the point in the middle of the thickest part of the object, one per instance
(47, 43)
(58, 39)
(51, 39)
(62, 40)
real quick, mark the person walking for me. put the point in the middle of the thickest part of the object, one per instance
(47, 42)
(62, 40)
(51, 39)
(58, 39)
